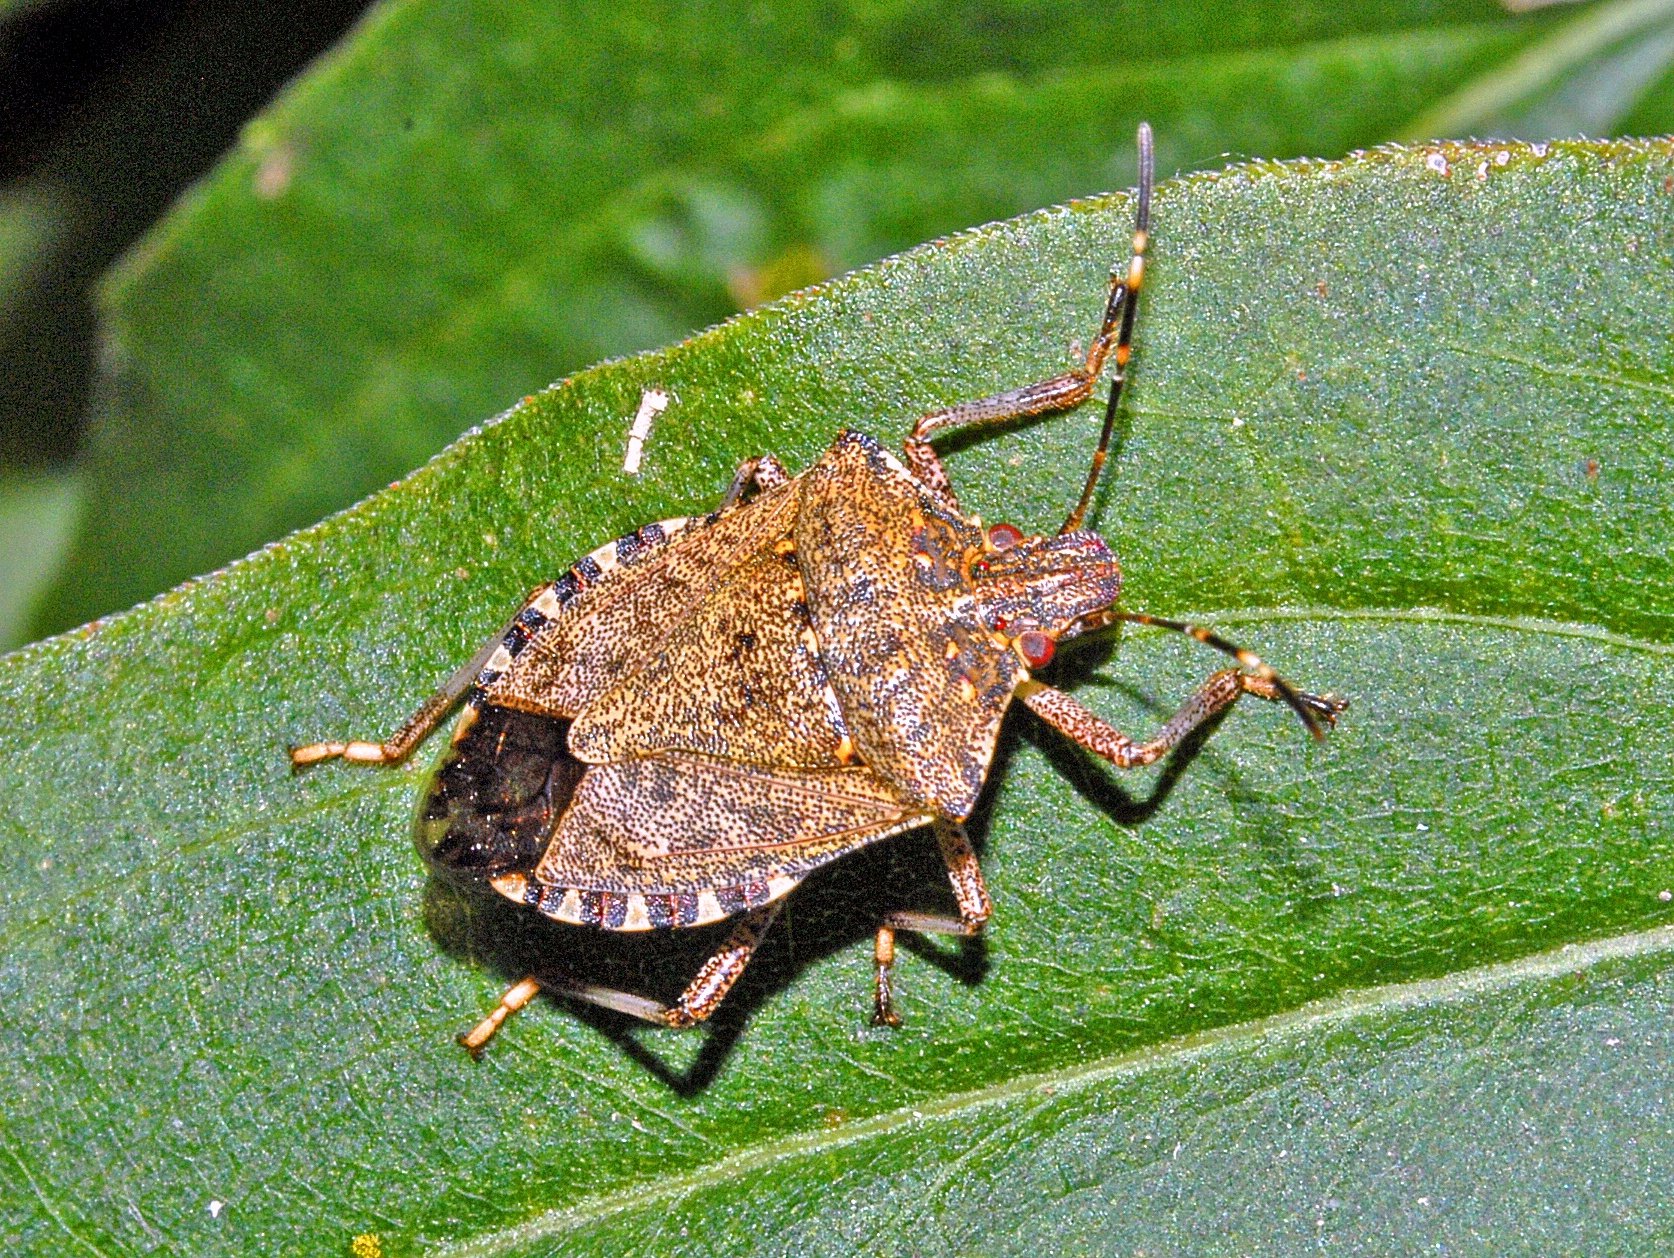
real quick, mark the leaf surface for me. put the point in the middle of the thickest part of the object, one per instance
(1400, 422)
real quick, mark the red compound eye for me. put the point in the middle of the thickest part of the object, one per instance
(1004, 536)
(1036, 648)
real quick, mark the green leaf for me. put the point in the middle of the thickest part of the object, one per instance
(1400, 422)
(469, 200)
(1456, 1114)
(36, 516)
(1587, 75)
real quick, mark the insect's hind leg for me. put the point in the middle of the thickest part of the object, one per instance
(975, 908)
(419, 726)
(703, 995)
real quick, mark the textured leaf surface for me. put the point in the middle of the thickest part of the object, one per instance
(1402, 423)
(470, 199)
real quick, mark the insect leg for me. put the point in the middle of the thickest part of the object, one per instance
(1315, 711)
(524, 990)
(762, 472)
(701, 998)
(1066, 715)
(517, 995)
(704, 993)
(1060, 392)
(883, 978)
(419, 726)
(975, 908)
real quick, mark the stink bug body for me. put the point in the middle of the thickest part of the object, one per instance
(696, 716)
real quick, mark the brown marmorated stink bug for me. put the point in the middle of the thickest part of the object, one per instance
(695, 717)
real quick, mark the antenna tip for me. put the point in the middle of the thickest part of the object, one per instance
(1147, 176)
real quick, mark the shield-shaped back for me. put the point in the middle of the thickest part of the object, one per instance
(922, 685)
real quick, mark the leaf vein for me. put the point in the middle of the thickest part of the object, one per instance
(1462, 985)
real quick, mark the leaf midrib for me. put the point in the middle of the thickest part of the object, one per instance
(1321, 1014)
(378, 785)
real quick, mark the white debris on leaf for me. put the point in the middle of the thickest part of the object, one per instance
(652, 403)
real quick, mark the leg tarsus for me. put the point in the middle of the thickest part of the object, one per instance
(1316, 711)
(975, 908)
(414, 730)
(517, 995)
(1326, 707)
(419, 726)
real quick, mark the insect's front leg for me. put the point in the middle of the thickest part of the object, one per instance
(1066, 715)
(759, 473)
(975, 908)
(1061, 392)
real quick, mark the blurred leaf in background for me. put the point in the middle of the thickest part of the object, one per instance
(467, 201)
(108, 110)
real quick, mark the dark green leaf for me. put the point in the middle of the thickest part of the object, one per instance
(1402, 423)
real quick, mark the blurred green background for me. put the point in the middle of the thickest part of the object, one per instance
(196, 358)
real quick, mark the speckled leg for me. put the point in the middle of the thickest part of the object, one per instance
(1060, 393)
(1066, 715)
(975, 908)
(417, 727)
(1317, 712)
(703, 995)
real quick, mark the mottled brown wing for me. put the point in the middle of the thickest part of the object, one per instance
(922, 686)
(739, 678)
(680, 840)
(617, 606)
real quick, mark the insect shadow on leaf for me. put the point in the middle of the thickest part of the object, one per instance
(1123, 806)
(832, 912)
(697, 717)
